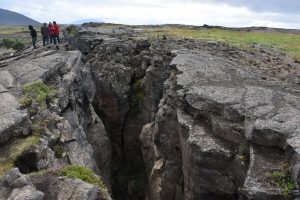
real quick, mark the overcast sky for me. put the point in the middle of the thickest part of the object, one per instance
(233, 13)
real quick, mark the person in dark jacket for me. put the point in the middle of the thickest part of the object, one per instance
(33, 35)
(45, 34)
(56, 28)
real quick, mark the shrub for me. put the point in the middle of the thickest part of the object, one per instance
(18, 46)
(37, 92)
(7, 43)
(14, 44)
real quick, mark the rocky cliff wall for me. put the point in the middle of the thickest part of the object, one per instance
(66, 130)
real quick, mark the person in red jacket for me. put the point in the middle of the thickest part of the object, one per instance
(52, 33)
(56, 28)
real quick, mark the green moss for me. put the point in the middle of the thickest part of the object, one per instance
(14, 150)
(83, 173)
(283, 181)
(37, 92)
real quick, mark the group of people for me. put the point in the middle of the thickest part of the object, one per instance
(49, 32)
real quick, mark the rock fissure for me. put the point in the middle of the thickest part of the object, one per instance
(156, 118)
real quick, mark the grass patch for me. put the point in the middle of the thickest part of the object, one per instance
(242, 39)
(8, 30)
(38, 125)
(37, 93)
(14, 150)
(283, 181)
(83, 173)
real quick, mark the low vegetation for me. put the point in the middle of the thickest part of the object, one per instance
(83, 173)
(12, 44)
(18, 34)
(38, 125)
(283, 180)
(242, 39)
(8, 30)
(37, 93)
(59, 151)
(12, 151)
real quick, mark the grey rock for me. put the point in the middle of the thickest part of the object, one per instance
(26, 193)
(55, 187)
(211, 109)
(13, 121)
(12, 175)
(21, 182)
(263, 161)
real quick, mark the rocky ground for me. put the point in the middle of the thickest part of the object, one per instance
(155, 117)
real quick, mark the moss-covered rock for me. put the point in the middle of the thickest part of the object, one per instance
(37, 93)
(83, 173)
(14, 150)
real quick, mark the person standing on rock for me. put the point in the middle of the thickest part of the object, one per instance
(45, 34)
(56, 27)
(52, 33)
(33, 35)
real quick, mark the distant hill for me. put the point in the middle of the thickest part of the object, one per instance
(81, 21)
(13, 18)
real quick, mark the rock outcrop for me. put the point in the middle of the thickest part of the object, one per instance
(68, 129)
(213, 110)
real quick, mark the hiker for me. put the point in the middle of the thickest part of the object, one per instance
(52, 33)
(56, 27)
(33, 35)
(45, 34)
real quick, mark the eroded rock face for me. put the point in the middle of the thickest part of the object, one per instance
(16, 186)
(207, 127)
(47, 185)
(210, 109)
(55, 187)
(70, 130)
(26, 193)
